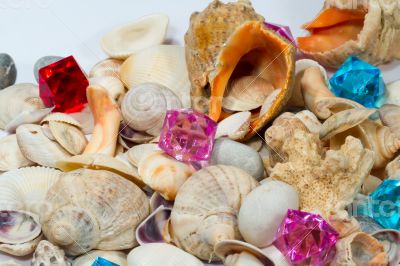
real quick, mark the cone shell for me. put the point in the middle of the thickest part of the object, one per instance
(88, 209)
(11, 155)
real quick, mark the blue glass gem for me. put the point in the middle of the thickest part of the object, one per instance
(385, 204)
(359, 81)
(103, 262)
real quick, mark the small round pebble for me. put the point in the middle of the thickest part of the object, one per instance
(8, 71)
(44, 61)
(229, 152)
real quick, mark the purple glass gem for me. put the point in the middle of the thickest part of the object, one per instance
(187, 135)
(306, 239)
(284, 31)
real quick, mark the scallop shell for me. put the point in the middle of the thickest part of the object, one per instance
(227, 41)
(106, 68)
(130, 38)
(16, 99)
(36, 147)
(390, 117)
(69, 137)
(11, 157)
(88, 209)
(163, 173)
(390, 239)
(49, 255)
(18, 227)
(206, 208)
(27, 117)
(378, 25)
(137, 153)
(235, 126)
(145, 106)
(88, 259)
(113, 85)
(167, 255)
(61, 117)
(162, 64)
(26, 188)
(153, 229)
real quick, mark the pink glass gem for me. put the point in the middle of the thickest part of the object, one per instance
(306, 239)
(284, 31)
(187, 135)
(63, 85)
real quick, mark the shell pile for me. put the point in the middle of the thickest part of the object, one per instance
(99, 183)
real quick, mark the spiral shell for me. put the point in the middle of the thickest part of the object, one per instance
(206, 208)
(88, 209)
(144, 107)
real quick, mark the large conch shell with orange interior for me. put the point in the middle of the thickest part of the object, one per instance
(229, 41)
(369, 29)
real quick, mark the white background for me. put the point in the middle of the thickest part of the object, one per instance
(30, 29)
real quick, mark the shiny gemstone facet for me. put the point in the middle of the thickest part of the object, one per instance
(359, 81)
(187, 135)
(63, 85)
(103, 262)
(306, 239)
(284, 31)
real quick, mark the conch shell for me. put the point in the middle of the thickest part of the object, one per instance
(206, 208)
(346, 27)
(88, 209)
(228, 41)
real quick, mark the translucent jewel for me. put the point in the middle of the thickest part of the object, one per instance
(103, 262)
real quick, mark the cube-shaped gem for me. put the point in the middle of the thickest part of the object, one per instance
(63, 85)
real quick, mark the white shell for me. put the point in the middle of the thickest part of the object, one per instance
(269, 101)
(61, 117)
(263, 211)
(138, 152)
(235, 126)
(130, 38)
(27, 117)
(393, 93)
(242, 259)
(18, 227)
(116, 257)
(68, 136)
(11, 157)
(113, 86)
(157, 254)
(163, 64)
(106, 68)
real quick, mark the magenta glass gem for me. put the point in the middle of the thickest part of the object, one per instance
(306, 239)
(284, 31)
(187, 135)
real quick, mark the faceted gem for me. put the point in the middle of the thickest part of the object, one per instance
(103, 262)
(359, 81)
(306, 239)
(63, 85)
(385, 204)
(187, 135)
(284, 31)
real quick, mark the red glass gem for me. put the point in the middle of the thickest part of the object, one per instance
(63, 85)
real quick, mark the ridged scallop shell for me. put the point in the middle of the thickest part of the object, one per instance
(163, 173)
(390, 117)
(88, 259)
(138, 152)
(16, 99)
(69, 137)
(206, 208)
(61, 117)
(88, 209)
(162, 64)
(106, 68)
(113, 85)
(144, 107)
(47, 254)
(18, 227)
(130, 38)
(26, 188)
(36, 147)
(235, 126)
(11, 157)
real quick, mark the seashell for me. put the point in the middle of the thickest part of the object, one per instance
(10, 263)
(61, 117)
(23, 249)
(263, 210)
(129, 137)
(26, 188)
(344, 28)
(8, 71)
(18, 227)
(392, 93)
(101, 162)
(27, 117)
(113, 85)
(16, 99)
(235, 126)
(163, 173)
(269, 102)
(153, 229)
(276, 255)
(137, 153)
(106, 68)
(229, 152)
(390, 239)
(206, 207)
(88, 259)
(370, 184)
(359, 249)
(68, 136)
(85, 118)
(88, 209)
(107, 117)
(310, 121)
(227, 41)
(36, 147)
(393, 168)
(162, 64)
(42, 62)
(130, 38)
(255, 143)
(48, 254)
(144, 107)
(390, 117)
(246, 93)
(11, 155)
(167, 255)
(156, 200)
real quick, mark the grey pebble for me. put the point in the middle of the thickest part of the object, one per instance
(44, 61)
(8, 71)
(229, 152)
